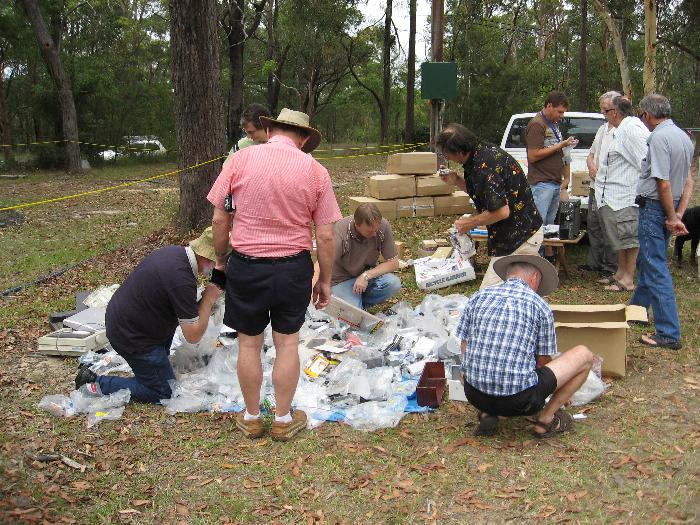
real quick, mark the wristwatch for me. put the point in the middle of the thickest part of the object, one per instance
(365, 275)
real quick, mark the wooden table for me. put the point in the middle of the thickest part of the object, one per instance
(559, 246)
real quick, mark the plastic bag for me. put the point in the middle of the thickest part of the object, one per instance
(108, 414)
(58, 405)
(376, 414)
(462, 243)
(188, 357)
(100, 297)
(591, 389)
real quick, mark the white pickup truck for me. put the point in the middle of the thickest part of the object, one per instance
(583, 126)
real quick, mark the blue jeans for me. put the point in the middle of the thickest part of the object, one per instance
(378, 290)
(546, 195)
(654, 283)
(152, 371)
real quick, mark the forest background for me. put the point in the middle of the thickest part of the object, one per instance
(78, 76)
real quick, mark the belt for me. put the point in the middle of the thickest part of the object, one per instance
(249, 259)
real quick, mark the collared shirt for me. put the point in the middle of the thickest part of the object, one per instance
(279, 191)
(620, 168)
(539, 134)
(354, 253)
(495, 179)
(601, 142)
(505, 328)
(668, 157)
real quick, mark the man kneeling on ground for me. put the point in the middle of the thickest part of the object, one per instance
(159, 294)
(359, 240)
(508, 341)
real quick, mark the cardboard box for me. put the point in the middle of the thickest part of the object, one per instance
(442, 253)
(601, 327)
(391, 186)
(432, 185)
(71, 342)
(432, 274)
(457, 203)
(415, 207)
(412, 163)
(355, 317)
(387, 207)
(580, 183)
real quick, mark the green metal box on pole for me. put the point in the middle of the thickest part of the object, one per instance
(438, 80)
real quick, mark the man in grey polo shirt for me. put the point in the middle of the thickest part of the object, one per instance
(663, 193)
(359, 240)
(616, 189)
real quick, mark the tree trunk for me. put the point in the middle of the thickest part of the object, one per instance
(386, 75)
(649, 76)
(198, 105)
(604, 13)
(409, 136)
(236, 45)
(50, 52)
(583, 60)
(5, 128)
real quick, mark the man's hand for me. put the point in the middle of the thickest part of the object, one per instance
(321, 295)
(450, 178)
(676, 226)
(569, 141)
(360, 285)
(211, 293)
(464, 224)
(592, 172)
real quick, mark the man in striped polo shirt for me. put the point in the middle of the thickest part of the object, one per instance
(279, 191)
(616, 189)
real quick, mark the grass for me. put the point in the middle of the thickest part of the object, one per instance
(633, 460)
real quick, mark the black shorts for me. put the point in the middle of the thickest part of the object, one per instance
(261, 290)
(526, 403)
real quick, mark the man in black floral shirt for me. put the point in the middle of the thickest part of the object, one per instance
(497, 185)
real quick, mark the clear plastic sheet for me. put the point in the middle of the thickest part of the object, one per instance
(187, 357)
(374, 415)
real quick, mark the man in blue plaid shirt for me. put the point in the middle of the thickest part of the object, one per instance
(508, 341)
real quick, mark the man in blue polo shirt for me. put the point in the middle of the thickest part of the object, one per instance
(663, 194)
(158, 295)
(508, 341)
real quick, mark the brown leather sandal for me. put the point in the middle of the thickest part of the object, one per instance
(561, 422)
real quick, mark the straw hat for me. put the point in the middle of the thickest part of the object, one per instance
(204, 245)
(550, 278)
(299, 120)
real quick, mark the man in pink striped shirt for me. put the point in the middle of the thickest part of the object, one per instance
(279, 191)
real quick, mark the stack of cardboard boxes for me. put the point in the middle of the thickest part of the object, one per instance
(411, 188)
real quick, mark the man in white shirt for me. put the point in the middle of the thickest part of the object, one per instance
(601, 257)
(616, 184)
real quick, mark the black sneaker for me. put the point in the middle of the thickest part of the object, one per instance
(84, 376)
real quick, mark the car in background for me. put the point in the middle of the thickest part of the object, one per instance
(135, 145)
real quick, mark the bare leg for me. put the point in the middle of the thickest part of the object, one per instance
(249, 368)
(630, 263)
(571, 370)
(285, 374)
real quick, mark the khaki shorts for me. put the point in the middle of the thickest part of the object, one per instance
(621, 227)
(529, 247)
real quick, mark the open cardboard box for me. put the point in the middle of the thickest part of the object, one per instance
(353, 316)
(601, 327)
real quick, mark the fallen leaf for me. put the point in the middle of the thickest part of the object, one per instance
(140, 502)
(129, 511)
(460, 443)
(484, 467)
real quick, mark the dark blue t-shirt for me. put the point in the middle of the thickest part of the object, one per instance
(144, 311)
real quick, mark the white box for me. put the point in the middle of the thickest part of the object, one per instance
(432, 274)
(90, 320)
(71, 342)
(353, 316)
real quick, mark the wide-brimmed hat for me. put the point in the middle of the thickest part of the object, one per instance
(550, 278)
(204, 245)
(299, 120)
